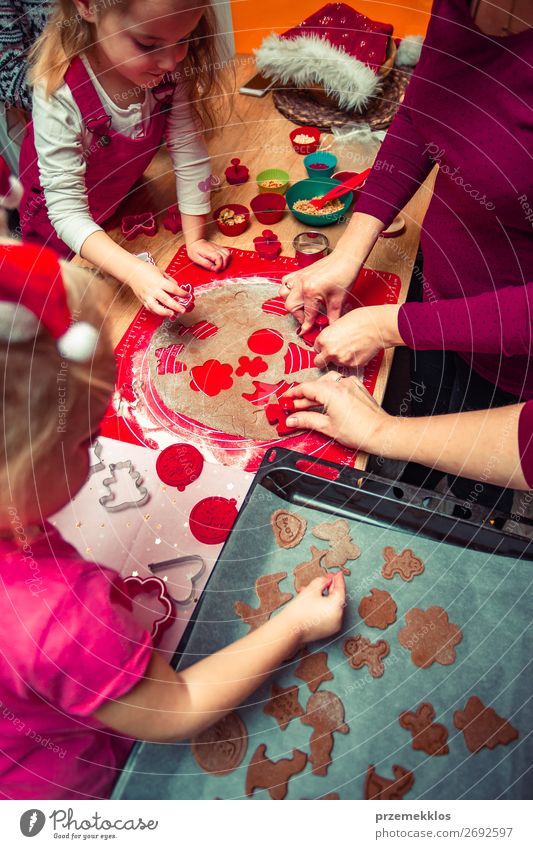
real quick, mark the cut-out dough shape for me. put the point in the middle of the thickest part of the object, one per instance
(428, 737)
(325, 714)
(273, 776)
(221, 748)
(283, 705)
(289, 528)
(430, 636)
(361, 652)
(342, 546)
(378, 609)
(270, 598)
(313, 669)
(482, 727)
(385, 789)
(109, 502)
(306, 572)
(406, 564)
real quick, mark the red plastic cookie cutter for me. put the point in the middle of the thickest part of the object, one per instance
(155, 590)
(187, 300)
(212, 519)
(267, 245)
(179, 465)
(172, 219)
(135, 225)
(236, 173)
(277, 414)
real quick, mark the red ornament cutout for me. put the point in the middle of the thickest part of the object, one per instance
(275, 306)
(212, 519)
(265, 341)
(264, 391)
(166, 359)
(211, 378)
(251, 367)
(200, 330)
(179, 465)
(297, 358)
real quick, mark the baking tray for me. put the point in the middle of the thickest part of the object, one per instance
(480, 575)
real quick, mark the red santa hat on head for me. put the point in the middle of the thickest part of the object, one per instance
(10, 188)
(32, 293)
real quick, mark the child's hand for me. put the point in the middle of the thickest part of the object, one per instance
(208, 255)
(155, 290)
(316, 616)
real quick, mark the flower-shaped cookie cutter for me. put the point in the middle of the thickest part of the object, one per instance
(152, 586)
(172, 219)
(136, 225)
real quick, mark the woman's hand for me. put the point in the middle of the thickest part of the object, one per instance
(313, 615)
(155, 290)
(358, 336)
(208, 255)
(349, 413)
(323, 285)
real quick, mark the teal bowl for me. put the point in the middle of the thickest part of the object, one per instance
(320, 165)
(307, 189)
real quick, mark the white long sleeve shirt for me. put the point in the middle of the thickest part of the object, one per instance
(61, 139)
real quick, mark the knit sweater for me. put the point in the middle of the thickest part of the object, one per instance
(20, 25)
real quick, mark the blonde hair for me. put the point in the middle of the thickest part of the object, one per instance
(32, 420)
(67, 34)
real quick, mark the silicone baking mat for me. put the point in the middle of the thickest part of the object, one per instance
(139, 415)
(485, 593)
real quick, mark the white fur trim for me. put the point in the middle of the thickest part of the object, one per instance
(79, 342)
(409, 50)
(310, 60)
(13, 199)
(17, 324)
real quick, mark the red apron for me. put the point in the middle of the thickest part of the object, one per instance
(114, 161)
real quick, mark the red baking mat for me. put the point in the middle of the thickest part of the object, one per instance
(137, 413)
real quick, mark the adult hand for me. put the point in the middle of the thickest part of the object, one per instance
(356, 337)
(208, 255)
(323, 285)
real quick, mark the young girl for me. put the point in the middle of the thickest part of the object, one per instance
(111, 80)
(78, 675)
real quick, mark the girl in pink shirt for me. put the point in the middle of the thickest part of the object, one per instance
(79, 678)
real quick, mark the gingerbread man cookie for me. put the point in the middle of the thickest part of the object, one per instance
(264, 774)
(221, 748)
(289, 528)
(361, 652)
(378, 609)
(270, 598)
(482, 727)
(430, 637)
(283, 705)
(342, 547)
(325, 714)
(304, 573)
(428, 737)
(313, 669)
(406, 564)
(385, 789)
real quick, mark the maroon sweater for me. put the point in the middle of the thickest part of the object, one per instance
(469, 108)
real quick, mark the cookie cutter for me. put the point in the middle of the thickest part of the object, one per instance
(172, 219)
(135, 225)
(105, 500)
(136, 586)
(97, 448)
(194, 569)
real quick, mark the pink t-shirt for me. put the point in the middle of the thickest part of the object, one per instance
(68, 643)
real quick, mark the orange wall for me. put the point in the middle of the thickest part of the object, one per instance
(254, 19)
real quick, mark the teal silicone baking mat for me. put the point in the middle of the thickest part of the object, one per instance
(474, 707)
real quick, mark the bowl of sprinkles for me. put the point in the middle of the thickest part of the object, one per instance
(305, 139)
(301, 194)
(273, 180)
(232, 218)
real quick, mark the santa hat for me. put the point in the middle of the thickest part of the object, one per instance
(336, 47)
(10, 188)
(32, 293)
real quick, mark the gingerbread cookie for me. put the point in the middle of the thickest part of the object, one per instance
(385, 789)
(313, 669)
(304, 573)
(482, 727)
(264, 774)
(342, 547)
(428, 737)
(289, 528)
(283, 705)
(270, 598)
(325, 714)
(361, 652)
(430, 637)
(378, 609)
(406, 564)
(221, 748)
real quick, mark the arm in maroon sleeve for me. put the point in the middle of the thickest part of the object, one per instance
(525, 441)
(491, 323)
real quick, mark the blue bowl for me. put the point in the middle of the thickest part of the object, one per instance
(320, 164)
(307, 189)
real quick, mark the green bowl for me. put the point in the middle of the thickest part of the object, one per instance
(273, 174)
(307, 189)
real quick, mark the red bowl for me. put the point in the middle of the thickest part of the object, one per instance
(268, 207)
(344, 175)
(232, 229)
(304, 149)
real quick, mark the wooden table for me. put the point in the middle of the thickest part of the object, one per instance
(259, 135)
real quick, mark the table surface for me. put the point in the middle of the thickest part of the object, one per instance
(258, 134)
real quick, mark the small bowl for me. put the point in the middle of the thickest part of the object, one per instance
(232, 229)
(268, 208)
(307, 189)
(320, 164)
(300, 147)
(341, 176)
(273, 174)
